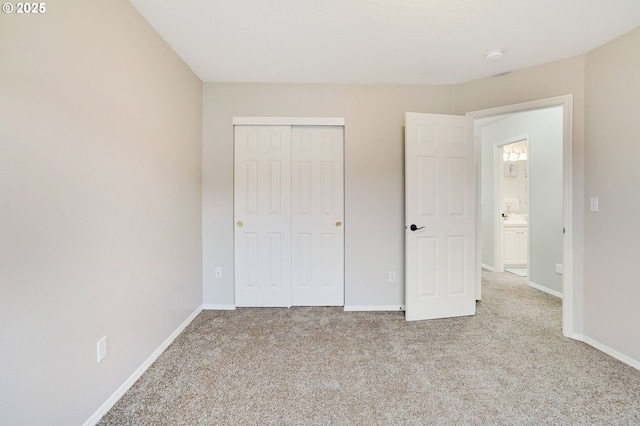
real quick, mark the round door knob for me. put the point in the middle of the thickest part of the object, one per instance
(338, 223)
(240, 224)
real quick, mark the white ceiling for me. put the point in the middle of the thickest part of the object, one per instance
(380, 41)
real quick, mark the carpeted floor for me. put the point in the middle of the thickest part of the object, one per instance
(508, 365)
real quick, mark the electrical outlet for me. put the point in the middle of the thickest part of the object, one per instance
(218, 272)
(559, 268)
(102, 348)
(392, 276)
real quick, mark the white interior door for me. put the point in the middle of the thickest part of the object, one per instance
(440, 216)
(317, 216)
(262, 203)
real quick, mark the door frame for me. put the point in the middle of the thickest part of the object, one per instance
(288, 121)
(571, 258)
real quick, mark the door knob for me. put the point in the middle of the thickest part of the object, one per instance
(413, 227)
(240, 224)
(338, 223)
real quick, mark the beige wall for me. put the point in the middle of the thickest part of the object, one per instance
(612, 236)
(100, 204)
(374, 175)
(559, 78)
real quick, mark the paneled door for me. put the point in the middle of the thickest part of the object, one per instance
(317, 216)
(262, 210)
(288, 214)
(440, 216)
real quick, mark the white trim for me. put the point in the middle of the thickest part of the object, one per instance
(477, 146)
(109, 403)
(545, 289)
(288, 121)
(571, 255)
(485, 266)
(214, 307)
(524, 106)
(373, 308)
(498, 222)
(609, 351)
(568, 249)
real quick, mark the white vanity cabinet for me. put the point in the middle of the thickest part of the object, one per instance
(514, 245)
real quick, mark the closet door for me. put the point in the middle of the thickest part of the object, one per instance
(262, 209)
(317, 216)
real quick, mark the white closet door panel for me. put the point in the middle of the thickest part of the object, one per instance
(317, 216)
(262, 200)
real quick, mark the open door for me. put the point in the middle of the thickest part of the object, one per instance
(440, 209)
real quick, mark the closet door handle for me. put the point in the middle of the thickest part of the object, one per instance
(413, 227)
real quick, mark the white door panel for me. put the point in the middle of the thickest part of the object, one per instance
(289, 204)
(440, 201)
(317, 216)
(262, 196)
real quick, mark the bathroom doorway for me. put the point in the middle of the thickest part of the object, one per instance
(512, 238)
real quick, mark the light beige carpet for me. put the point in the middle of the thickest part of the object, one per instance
(508, 365)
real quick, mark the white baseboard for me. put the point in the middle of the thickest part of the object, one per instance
(215, 307)
(609, 351)
(545, 289)
(362, 308)
(490, 268)
(140, 371)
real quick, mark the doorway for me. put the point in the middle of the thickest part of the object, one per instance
(523, 199)
(512, 232)
(563, 268)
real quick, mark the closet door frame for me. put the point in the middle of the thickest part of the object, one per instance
(288, 121)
